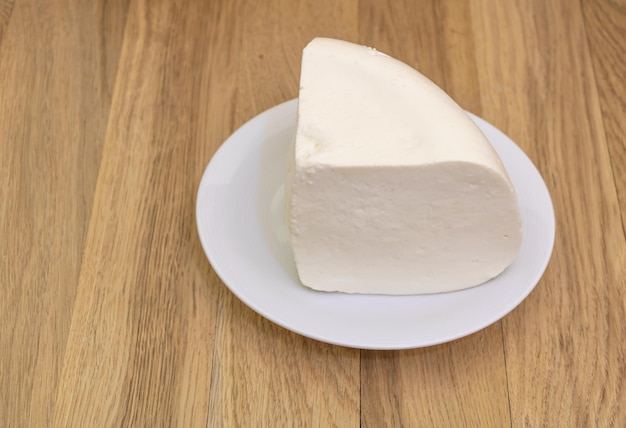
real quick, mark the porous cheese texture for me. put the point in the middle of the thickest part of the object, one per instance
(392, 188)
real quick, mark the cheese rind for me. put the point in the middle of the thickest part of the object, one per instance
(393, 189)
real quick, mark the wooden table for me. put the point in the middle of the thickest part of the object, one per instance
(111, 314)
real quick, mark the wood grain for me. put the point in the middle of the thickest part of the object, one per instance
(298, 381)
(565, 344)
(606, 31)
(53, 80)
(6, 8)
(147, 361)
(112, 316)
(459, 384)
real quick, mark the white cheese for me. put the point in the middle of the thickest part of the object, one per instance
(392, 189)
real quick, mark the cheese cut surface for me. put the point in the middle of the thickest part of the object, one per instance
(392, 188)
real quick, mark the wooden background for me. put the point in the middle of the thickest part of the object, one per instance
(110, 314)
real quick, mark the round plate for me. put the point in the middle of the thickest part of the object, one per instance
(242, 226)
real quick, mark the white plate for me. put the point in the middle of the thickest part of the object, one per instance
(242, 226)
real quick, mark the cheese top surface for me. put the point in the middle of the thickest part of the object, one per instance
(358, 106)
(392, 189)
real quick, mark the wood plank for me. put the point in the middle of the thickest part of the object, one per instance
(55, 72)
(456, 384)
(565, 344)
(436, 38)
(606, 32)
(6, 9)
(265, 375)
(141, 337)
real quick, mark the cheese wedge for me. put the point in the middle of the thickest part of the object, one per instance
(392, 189)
